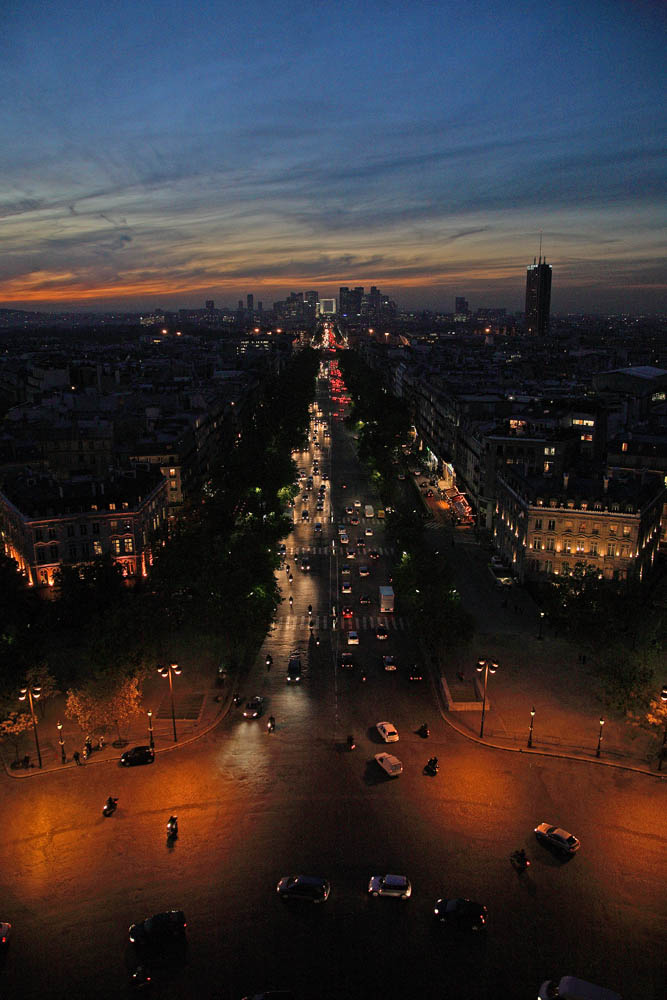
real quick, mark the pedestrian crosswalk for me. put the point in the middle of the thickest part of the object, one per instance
(322, 550)
(361, 623)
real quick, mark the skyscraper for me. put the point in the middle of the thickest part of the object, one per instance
(250, 300)
(538, 297)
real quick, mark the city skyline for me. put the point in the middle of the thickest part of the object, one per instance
(422, 150)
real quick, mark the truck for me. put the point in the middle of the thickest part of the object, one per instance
(571, 988)
(386, 599)
(368, 511)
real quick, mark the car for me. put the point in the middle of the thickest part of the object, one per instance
(305, 564)
(160, 929)
(364, 570)
(5, 933)
(354, 519)
(305, 516)
(347, 611)
(364, 599)
(415, 673)
(401, 476)
(346, 588)
(357, 504)
(368, 532)
(318, 526)
(387, 731)
(346, 661)
(559, 839)
(310, 888)
(254, 707)
(351, 554)
(282, 549)
(390, 885)
(390, 765)
(319, 506)
(349, 510)
(343, 486)
(361, 545)
(353, 638)
(381, 632)
(293, 675)
(497, 563)
(501, 577)
(429, 493)
(345, 571)
(389, 662)
(137, 755)
(461, 914)
(373, 554)
(389, 509)
(324, 475)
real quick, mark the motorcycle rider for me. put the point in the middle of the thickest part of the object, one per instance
(172, 826)
(272, 724)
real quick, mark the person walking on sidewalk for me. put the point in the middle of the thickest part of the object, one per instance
(77, 758)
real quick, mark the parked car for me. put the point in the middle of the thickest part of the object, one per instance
(554, 836)
(461, 914)
(390, 765)
(310, 888)
(387, 731)
(390, 885)
(137, 755)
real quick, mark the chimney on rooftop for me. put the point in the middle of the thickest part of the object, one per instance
(605, 483)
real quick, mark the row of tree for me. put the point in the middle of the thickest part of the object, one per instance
(214, 577)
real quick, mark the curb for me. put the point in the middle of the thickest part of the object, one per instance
(34, 772)
(532, 751)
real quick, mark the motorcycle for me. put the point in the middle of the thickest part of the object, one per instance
(110, 806)
(351, 745)
(519, 861)
(141, 977)
(424, 731)
(432, 766)
(271, 724)
(172, 828)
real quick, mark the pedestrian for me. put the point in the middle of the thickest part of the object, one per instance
(89, 745)
(77, 758)
(100, 743)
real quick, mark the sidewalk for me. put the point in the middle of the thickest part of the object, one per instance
(198, 706)
(549, 677)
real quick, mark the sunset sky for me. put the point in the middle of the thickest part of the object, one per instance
(160, 154)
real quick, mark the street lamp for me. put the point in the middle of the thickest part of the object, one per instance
(530, 731)
(32, 694)
(663, 697)
(489, 667)
(150, 729)
(541, 622)
(62, 742)
(169, 671)
(597, 752)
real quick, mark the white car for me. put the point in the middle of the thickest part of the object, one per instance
(390, 764)
(353, 638)
(387, 731)
(357, 504)
(390, 885)
(369, 532)
(558, 838)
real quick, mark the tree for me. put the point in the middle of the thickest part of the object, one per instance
(13, 726)
(41, 677)
(103, 702)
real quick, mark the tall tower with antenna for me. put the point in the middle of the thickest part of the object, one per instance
(538, 296)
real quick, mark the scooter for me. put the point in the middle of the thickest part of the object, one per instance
(271, 724)
(424, 731)
(351, 745)
(172, 828)
(110, 806)
(431, 767)
(519, 861)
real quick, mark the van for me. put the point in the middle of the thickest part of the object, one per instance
(571, 988)
(368, 511)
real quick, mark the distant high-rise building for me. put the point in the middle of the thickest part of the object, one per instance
(250, 299)
(240, 305)
(260, 308)
(461, 305)
(349, 301)
(210, 305)
(538, 297)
